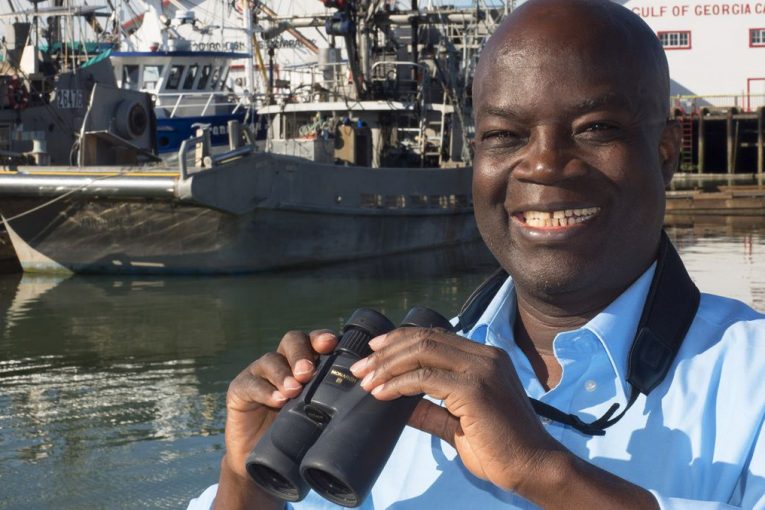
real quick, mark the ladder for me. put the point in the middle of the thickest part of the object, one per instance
(686, 144)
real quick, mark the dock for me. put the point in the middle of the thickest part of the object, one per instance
(729, 139)
(735, 200)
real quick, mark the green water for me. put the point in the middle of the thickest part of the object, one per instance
(112, 389)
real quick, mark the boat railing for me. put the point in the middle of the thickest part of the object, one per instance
(334, 79)
(692, 103)
(331, 78)
(177, 102)
(418, 83)
(202, 144)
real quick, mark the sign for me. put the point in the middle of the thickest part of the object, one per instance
(70, 99)
(217, 46)
(700, 9)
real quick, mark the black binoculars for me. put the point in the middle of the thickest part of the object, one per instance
(335, 437)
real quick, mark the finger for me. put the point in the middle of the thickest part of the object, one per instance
(401, 338)
(390, 344)
(247, 392)
(299, 354)
(273, 367)
(426, 348)
(435, 420)
(437, 383)
(323, 341)
(391, 337)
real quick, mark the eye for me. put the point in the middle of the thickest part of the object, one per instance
(500, 139)
(599, 126)
(598, 131)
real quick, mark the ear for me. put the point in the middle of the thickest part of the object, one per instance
(669, 150)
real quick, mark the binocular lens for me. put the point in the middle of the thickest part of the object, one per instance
(267, 477)
(331, 487)
(335, 437)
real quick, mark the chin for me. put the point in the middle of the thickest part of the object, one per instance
(556, 277)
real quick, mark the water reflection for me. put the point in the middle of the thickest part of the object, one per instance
(112, 388)
(724, 254)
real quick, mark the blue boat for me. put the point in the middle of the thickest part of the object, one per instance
(189, 89)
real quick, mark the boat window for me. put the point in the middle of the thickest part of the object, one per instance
(204, 77)
(190, 77)
(151, 74)
(130, 77)
(215, 78)
(175, 77)
(223, 80)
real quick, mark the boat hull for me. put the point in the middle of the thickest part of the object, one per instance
(165, 237)
(260, 213)
(172, 131)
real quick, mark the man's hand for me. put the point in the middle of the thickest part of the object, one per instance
(487, 416)
(254, 398)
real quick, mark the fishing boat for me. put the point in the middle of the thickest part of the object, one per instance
(189, 90)
(366, 155)
(186, 74)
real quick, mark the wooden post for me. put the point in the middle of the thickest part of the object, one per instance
(203, 148)
(729, 139)
(760, 140)
(234, 134)
(700, 149)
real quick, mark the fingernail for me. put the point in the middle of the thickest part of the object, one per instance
(377, 342)
(326, 337)
(303, 367)
(377, 389)
(362, 364)
(358, 366)
(278, 396)
(367, 378)
(291, 384)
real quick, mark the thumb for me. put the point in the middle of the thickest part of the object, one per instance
(435, 420)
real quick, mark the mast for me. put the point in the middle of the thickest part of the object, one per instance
(415, 38)
(248, 30)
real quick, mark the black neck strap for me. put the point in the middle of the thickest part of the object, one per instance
(669, 310)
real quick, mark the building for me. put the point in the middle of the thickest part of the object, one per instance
(715, 48)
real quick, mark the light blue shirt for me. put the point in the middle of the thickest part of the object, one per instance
(696, 442)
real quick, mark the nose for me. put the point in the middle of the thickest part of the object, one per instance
(549, 156)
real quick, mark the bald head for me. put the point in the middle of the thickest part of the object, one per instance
(598, 34)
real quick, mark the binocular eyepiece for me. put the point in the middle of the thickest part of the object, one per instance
(335, 437)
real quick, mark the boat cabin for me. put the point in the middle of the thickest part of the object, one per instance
(189, 89)
(184, 83)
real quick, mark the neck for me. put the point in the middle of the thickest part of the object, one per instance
(537, 324)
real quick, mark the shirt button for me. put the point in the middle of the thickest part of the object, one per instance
(545, 420)
(590, 385)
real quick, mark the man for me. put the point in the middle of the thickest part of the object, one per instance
(573, 151)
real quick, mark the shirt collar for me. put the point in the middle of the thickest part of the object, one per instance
(614, 327)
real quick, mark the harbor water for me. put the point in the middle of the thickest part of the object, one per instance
(112, 389)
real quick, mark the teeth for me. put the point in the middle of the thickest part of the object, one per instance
(560, 218)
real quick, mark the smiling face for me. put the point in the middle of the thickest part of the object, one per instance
(572, 151)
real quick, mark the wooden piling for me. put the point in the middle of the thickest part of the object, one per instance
(700, 146)
(760, 140)
(729, 140)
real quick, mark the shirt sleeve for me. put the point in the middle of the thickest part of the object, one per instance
(689, 504)
(205, 500)
(749, 493)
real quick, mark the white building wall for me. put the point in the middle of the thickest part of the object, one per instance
(720, 61)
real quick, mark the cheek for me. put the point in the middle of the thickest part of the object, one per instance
(489, 183)
(489, 194)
